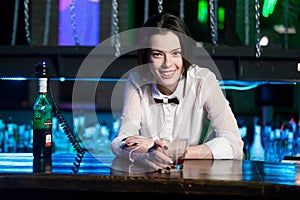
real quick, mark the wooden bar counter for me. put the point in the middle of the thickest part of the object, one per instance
(105, 176)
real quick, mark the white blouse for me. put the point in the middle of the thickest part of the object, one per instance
(203, 114)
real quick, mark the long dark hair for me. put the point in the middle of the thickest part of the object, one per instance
(168, 22)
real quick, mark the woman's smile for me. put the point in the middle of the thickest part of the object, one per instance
(167, 74)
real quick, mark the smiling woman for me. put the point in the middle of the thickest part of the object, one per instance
(201, 113)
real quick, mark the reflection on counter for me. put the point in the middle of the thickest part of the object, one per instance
(227, 170)
(61, 163)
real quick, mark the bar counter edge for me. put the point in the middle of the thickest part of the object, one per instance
(20, 185)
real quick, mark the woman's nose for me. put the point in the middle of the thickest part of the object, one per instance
(168, 60)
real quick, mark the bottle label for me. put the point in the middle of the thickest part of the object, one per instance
(43, 85)
(48, 123)
(48, 141)
(42, 120)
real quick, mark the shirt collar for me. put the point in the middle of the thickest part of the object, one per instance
(179, 91)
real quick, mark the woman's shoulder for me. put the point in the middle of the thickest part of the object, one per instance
(199, 72)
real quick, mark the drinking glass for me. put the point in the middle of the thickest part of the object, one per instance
(176, 150)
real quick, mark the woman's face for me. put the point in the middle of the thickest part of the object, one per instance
(166, 61)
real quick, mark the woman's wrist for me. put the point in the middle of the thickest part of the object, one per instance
(198, 152)
(130, 153)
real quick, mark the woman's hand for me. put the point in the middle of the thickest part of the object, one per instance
(147, 152)
(136, 140)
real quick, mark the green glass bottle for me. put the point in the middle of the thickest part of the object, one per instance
(42, 117)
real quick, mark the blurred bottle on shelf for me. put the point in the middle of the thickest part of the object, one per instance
(22, 138)
(10, 143)
(243, 132)
(61, 143)
(289, 149)
(257, 151)
(270, 150)
(267, 129)
(278, 142)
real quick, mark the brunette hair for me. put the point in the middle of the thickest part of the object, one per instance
(167, 22)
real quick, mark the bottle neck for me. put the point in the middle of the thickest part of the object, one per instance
(257, 133)
(43, 85)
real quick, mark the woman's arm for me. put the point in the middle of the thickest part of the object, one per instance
(227, 143)
(129, 143)
(130, 118)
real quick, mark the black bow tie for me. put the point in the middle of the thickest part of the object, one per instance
(172, 100)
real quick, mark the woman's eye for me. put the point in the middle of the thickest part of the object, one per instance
(156, 54)
(177, 53)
